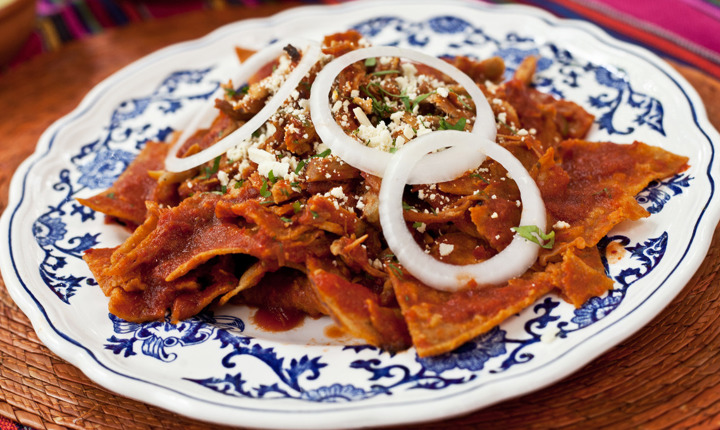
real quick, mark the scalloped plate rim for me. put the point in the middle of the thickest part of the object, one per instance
(82, 357)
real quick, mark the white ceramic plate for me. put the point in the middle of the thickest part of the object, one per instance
(218, 367)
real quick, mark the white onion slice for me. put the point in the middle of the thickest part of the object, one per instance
(511, 262)
(438, 167)
(310, 55)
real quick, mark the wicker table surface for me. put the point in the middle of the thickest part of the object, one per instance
(666, 375)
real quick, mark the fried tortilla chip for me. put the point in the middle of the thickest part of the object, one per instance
(125, 200)
(440, 321)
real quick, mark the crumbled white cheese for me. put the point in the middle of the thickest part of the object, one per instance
(239, 152)
(409, 69)
(491, 87)
(375, 137)
(422, 130)
(494, 215)
(270, 129)
(257, 155)
(408, 82)
(277, 78)
(267, 162)
(421, 228)
(223, 177)
(338, 193)
(442, 92)
(397, 116)
(561, 225)
(445, 249)
(292, 129)
(549, 335)
(320, 147)
(408, 131)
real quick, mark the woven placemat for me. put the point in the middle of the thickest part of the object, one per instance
(665, 376)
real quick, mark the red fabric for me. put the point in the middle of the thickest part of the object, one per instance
(682, 30)
(6, 424)
(697, 21)
(662, 25)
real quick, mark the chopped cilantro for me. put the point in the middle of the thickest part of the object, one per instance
(209, 171)
(379, 107)
(461, 98)
(396, 270)
(370, 62)
(264, 189)
(404, 98)
(110, 195)
(297, 206)
(384, 72)
(314, 214)
(420, 98)
(534, 234)
(288, 220)
(299, 167)
(478, 176)
(605, 192)
(459, 125)
(323, 154)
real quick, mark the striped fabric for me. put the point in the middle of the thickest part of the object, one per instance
(60, 21)
(687, 31)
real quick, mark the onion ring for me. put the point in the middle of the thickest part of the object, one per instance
(439, 167)
(310, 55)
(511, 262)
